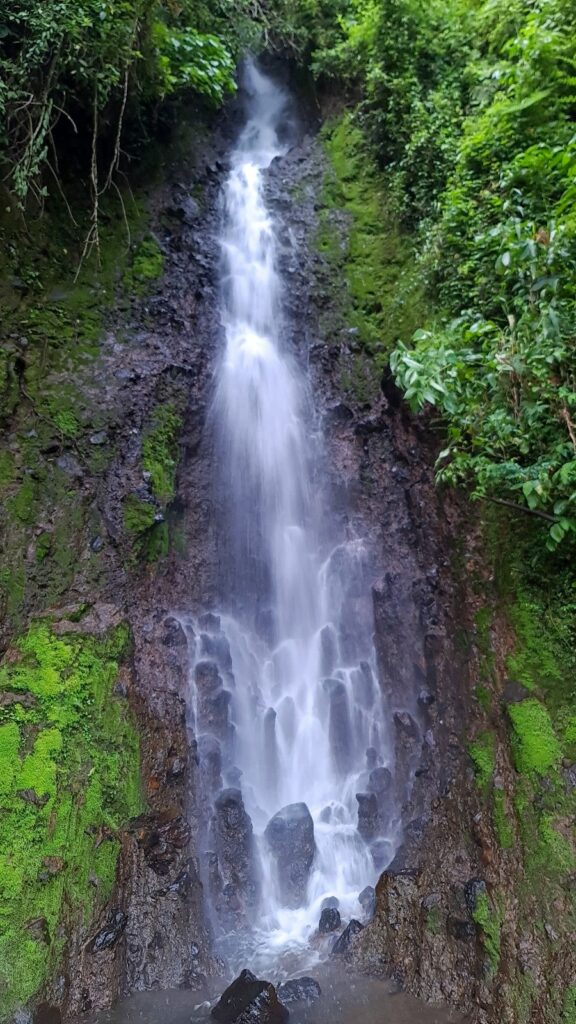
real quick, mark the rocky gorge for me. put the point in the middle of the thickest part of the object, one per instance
(111, 549)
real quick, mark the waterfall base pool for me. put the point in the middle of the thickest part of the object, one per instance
(346, 998)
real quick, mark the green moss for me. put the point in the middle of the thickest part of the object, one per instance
(9, 746)
(24, 503)
(569, 1006)
(488, 919)
(147, 266)
(139, 515)
(535, 746)
(434, 921)
(7, 471)
(159, 447)
(483, 696)
(75, 747)
(501, 818)
(382, 298)
(482, 751)
(66, 422)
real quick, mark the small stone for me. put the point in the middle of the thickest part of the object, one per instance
(552, 935)
(100, 437)
(96, 544)
(330, 920)
(38, 930)
(425, 698)
(473, 891)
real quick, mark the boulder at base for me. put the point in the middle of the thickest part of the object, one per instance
(248, 1000)
(299, 990)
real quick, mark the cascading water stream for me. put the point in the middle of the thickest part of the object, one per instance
(288, 710)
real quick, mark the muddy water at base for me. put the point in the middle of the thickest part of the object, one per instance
(346, 999)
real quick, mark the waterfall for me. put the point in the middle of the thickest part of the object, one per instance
(290, 718)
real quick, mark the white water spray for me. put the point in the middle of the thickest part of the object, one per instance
(306, 710)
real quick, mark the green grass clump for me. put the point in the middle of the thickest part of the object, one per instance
(502, 822)
(483, 751)
(69, 780)
(159, 448)
(139, 516)
(569, 1006)
(488, 920)
(535, 746)
(147, 266)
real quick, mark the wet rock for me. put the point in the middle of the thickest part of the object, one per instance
(232, 834)
(367, 900)
(248, 1000)
(339, 725)
(30, 796)
(426, 699)
(174, 634)
(38, 930)
(371, 758)
(70, 466)
(210, 755)
(162, 839)
(380, 781)
(109, 935)
(330, 920)
(299, 990)
(368, 817)
(328, 650)
(405, 725)
(96, 544)
(45, 1013)
(570, 776)
(216, 646)
(463, 931)
(473, 890)
(181, 885)
(290, 836)
(342, 943)
(27, 700)
(209, 622)
(99, 438)
(364, 687)
(330, 902)
(514, 692)
(213, 701)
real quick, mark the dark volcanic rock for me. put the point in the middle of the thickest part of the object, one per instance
(290, 836)
(299, 990)
(368, 817)
(248, 1000)
(367, 900)
(234, 845)
(108, 936)
(330, 920)
(342, 943)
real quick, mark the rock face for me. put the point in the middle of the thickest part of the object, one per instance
(290, 836)
(250, 1001)
(234, 873)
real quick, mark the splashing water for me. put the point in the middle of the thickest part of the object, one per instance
(302, 721)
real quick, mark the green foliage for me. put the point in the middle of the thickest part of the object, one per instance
(535, 745)
(482, 751)
(471, 112)
(90, 68)
(69, 779)
(569, 1006)
(139, 515)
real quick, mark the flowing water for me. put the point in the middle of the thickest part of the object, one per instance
(305, 728)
